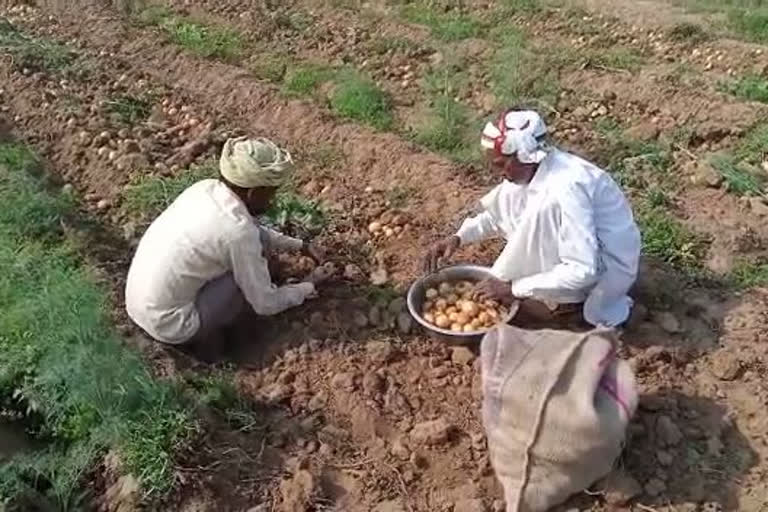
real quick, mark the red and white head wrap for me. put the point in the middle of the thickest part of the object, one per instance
(516, 132)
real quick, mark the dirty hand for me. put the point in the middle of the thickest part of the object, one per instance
(314, 251)
(441, 250)
(321, 274)
(494, 289)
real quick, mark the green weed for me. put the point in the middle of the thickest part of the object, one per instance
(270, 67)
(62, 362)
(739, 177)
(747, 274)
(751, 23)
(446, 132)
(519, 74)
(445, 26)
(304, 80)
(399, 196)
(130, 109)
(688, 32)
(752, 88)
(296, 21)
(615, 58)
(150, 195)
(294, 214)
(210, 42)
(33, 53)
(383, 45)
(665, 238)
(358, 98)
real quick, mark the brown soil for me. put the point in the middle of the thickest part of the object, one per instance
(340, 391)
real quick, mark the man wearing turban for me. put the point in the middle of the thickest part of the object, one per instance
(572, 242)
(204, 258)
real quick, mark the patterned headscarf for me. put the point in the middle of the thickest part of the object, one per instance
(516, 132)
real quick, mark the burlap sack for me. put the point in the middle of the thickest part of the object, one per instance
(556, 405)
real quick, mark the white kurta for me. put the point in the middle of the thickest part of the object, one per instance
(571, 237)
(205, 233)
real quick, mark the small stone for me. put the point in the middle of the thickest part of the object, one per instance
(667, 431)
(373, 384)
(404, 322)
(725, 365)
(431, 432)
(102, 204)
(644, 131)
(462, 356)
(379, 277)
(317, 402)
(470, 505)
(360, 319)
(654, 487)
(67, 189)
(379, 351)
(619, 488)
(758, 206)
(664, 458)
(668, 322)
(353, 272)
(345, 381)
(704, 175)
(397, 305)
(374, 316)
(400, 449)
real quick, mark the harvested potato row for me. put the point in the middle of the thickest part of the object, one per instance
(450, 306)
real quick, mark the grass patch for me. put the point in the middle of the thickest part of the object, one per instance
(750, 23)
(615, 58)
(445, 26)
(33, 53)
(752, 88)
(359, 98)
(62, 367)
(304, 80)
(384, 45)
(519, 74)
(270, 67)
(665, 238)
(130, 109)
(739, 177)
(747, 274)
(447, 131)
(198, 38)
(150, 195)
(687, 32)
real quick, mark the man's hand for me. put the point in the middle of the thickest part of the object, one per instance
(494, 289)
(314, 251)
(440, 251)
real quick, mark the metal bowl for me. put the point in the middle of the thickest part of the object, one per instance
(416, 297)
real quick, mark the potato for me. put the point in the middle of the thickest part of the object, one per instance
(470, 308)
(453, 317)
(431, 293)
(476, 324)
(457, 328)
(483, 317)
(469, 328)
(428, 305)
(429, 317)
(445, 289)
(451, 309)
(441, 304)
(452, 298)
(491, 304)
(462, 318)
(442, 321)
(467, 295)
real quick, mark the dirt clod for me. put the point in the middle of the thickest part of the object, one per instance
(404, 322)
(620, 488)
(344, 381)
(668, 432)
(725, 365)
(400, 449)
(462, 356)
(654, 487)
(668, 321)
(431, 432)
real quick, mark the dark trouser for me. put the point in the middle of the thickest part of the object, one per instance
(218, 304)
(538, 315)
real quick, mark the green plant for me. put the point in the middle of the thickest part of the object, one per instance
(150, 195)
(739, 178)
(382, 45)
(33, 53)
(614, 58)
(752, 88)
(61, 361)
(211, 42)
(665, 238)
(270, 67)
(292, 213)
(357, 97)
(304, 80)
(747, 274)
(751, 23)
(130, 109)
(687, 32)
(450, 26)
(446, 131)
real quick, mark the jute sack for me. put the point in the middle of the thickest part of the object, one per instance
(556, 405)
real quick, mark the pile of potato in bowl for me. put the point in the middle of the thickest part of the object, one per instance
(451, 306)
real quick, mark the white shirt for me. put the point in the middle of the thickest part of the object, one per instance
(571, 237)
(205, 233)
